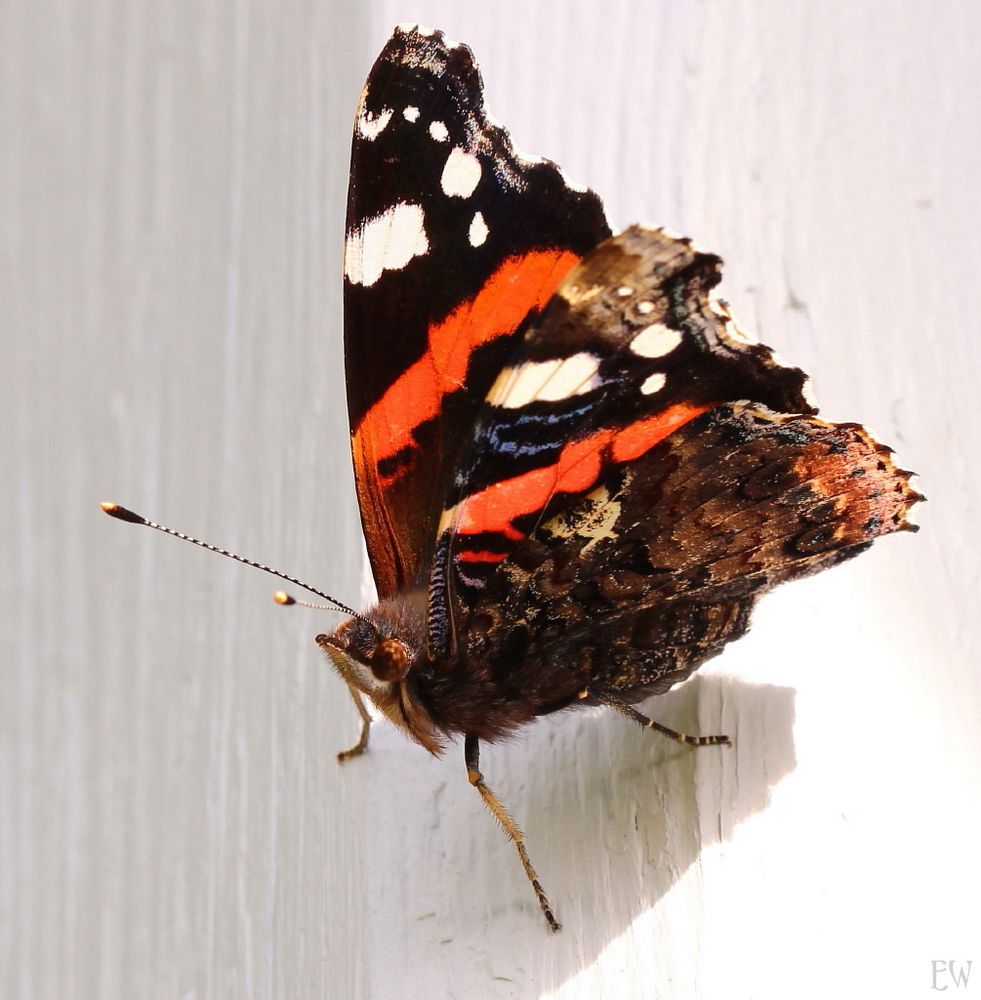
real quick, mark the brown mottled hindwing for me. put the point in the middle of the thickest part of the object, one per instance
(631, 588)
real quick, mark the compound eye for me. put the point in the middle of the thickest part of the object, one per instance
(390, 661)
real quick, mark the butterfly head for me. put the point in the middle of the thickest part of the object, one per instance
(367, 655)
(380, 655)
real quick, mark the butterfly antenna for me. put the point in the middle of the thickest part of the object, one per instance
(281, 597)
(122, 514)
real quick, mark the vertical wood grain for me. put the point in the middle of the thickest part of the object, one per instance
(172, 821)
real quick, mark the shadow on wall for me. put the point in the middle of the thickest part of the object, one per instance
(661, 803)
(614, 817)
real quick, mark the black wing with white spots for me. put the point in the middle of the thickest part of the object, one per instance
(453, 241)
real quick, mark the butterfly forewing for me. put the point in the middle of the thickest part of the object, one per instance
(453, 241)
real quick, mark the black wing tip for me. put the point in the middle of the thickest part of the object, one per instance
(418, 44)
(422, 34)
(415, 47)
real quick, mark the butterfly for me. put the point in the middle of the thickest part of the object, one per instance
(576, 474)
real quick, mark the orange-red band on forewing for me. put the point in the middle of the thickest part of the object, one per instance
(519, 285)
(578, 469)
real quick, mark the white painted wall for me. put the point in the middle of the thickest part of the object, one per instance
(172, 822)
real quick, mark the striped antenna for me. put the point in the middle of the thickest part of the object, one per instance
(122, 514)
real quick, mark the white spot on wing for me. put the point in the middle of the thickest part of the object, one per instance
(371, 126)
(478, 230)
(645, 308)
(411, 113)
(546, 381)
(461, 174)
(656, 341)
(385, 243)
(439, 131)
(624, 291)
(653, 383)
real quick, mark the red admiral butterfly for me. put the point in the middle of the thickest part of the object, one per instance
(576, 475)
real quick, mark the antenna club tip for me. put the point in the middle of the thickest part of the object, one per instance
(121, 513)
(281, 597)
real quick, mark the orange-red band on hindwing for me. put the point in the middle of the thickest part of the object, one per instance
(482, 556)
(636, 438)
(519, 285)
(578, 468)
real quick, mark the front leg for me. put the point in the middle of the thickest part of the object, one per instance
(362, 744)
(471, 752)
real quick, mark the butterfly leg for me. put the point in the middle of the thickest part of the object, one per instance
(362, 744)
(471, 751)
(629, 712)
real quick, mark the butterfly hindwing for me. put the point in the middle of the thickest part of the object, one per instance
(453, 241)
(630, 587)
